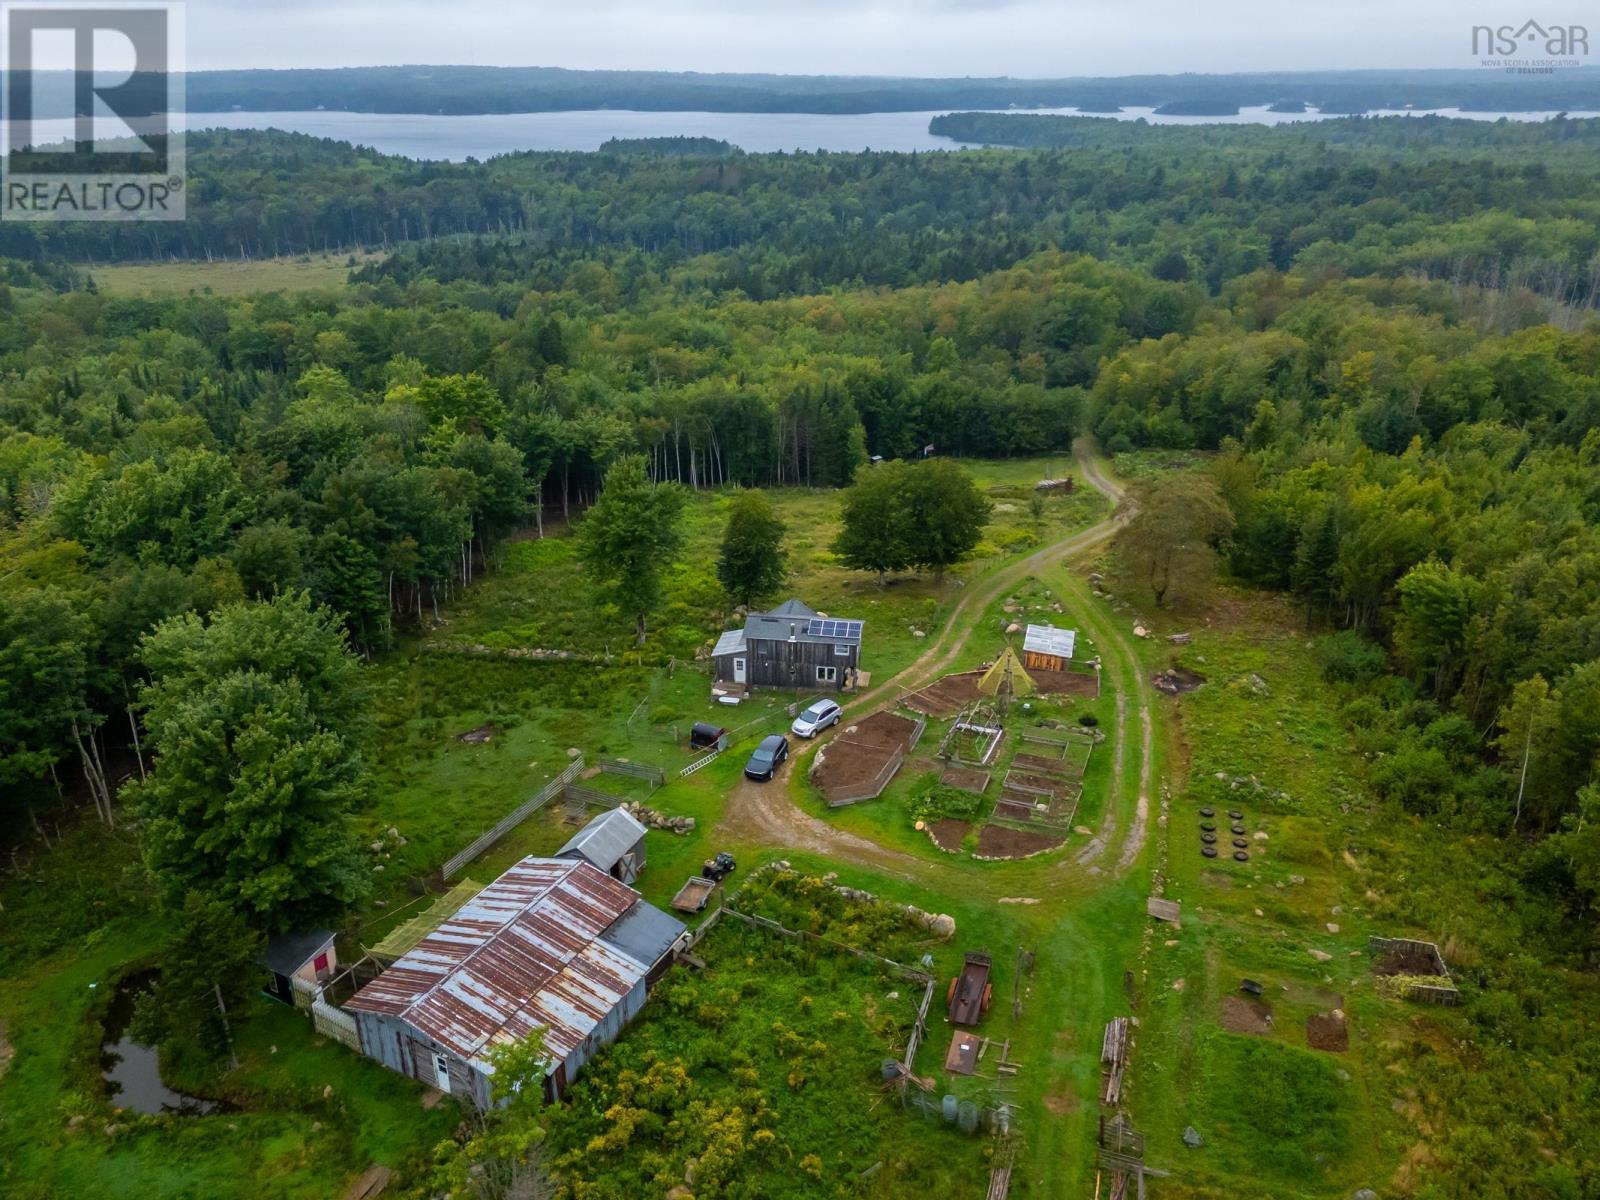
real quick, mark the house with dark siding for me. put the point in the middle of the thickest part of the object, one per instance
(554, 946)
(793, 646)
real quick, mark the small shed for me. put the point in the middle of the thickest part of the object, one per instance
(613, 841)
(309, 957)
(1046, 648)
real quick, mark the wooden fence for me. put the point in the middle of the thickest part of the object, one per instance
(1413, 987)
(335, 1023)
(577, 797)
(917, 731)
(514, 818)
(870, 789)
(654, 776)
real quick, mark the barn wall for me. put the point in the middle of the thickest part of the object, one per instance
(1044, 662)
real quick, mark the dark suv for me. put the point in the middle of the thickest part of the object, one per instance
(768, 757)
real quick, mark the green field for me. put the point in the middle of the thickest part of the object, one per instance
(225, 277)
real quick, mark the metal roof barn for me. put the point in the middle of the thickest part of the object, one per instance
(525, 953)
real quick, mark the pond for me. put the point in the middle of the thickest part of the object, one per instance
(129, 1068)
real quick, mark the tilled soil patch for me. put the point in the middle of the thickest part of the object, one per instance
(1240, 1015)
(1062, 683)
(947, 696)
(1327, 1031)
(996, 841)
(948, 833)
(1406, 962)
(881, 728)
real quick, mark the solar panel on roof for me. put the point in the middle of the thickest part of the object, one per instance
(846, 630)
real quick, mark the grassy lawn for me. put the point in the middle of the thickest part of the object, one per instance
(1278, 1117)
(225, 277)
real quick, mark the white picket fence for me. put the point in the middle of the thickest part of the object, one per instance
(335, 1023)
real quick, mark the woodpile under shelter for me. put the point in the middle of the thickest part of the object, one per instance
(793, 646)
(554, 945)
(1046, 648)
(613, 842)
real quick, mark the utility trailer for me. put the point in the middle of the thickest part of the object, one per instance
(970, 991)
(694, 894)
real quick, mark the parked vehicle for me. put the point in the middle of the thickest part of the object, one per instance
(704, 735)
(720, 867)
(768, 757)
(815, 719)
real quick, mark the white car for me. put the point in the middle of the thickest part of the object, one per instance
(815, 719)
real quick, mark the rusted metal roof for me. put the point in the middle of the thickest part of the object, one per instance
(525, 953)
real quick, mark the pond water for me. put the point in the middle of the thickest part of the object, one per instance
(133, 1078)
(454, 138)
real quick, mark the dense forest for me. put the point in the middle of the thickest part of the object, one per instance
(1373, 345)
(1501, 206)
(435, 89)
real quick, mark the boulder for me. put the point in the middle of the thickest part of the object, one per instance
(1192, 1138)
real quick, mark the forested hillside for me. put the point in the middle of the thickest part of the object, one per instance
(1354, 366)
(1499, 206)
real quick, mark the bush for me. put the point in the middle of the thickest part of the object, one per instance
(1347, 657)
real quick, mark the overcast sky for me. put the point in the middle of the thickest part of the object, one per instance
(879, 37)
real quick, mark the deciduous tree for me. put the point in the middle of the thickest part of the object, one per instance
(751, 564)
(630, 536)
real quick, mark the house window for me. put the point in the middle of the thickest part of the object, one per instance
(842, 651)
(320, 964)
(827, 674)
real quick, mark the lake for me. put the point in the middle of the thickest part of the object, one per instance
(458, 137)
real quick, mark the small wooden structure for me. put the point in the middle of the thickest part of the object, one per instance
(1164, 910)
(1046, 648)
(303, 959)
(971, 991)
(965, 1050)
(613, 841)
(1413, 970)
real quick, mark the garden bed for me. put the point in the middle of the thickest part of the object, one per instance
(998, 841)
(947, 696)
(948, 833)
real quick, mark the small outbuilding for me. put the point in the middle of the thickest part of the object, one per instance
(308, 958)
(613, 842)
(1046, 648)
